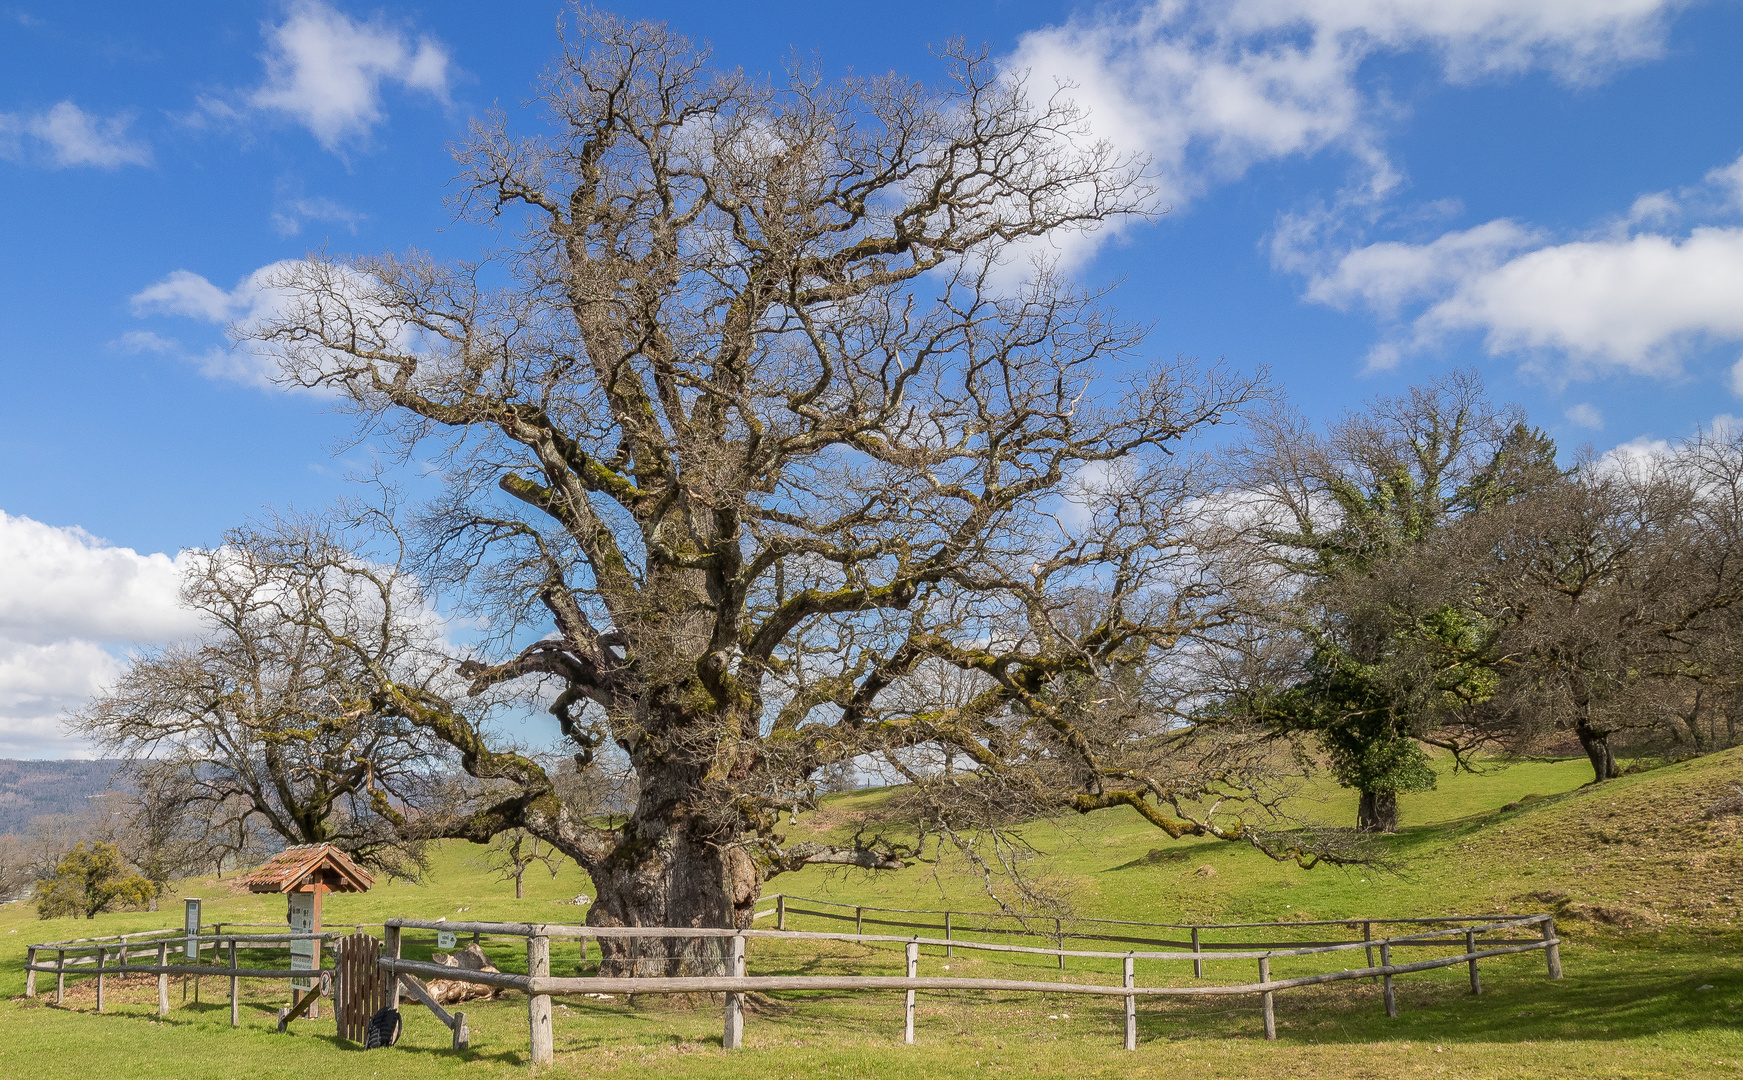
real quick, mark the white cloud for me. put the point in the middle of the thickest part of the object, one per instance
(1631, 295)
(1210, 88)
(71, 137)
(1736, 379)
(326, 70)
(67, 600)
(1634, 303)
(289, 217)
(134, 342)
(1585, 415)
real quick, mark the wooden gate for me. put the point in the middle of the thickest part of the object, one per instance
(360, 988)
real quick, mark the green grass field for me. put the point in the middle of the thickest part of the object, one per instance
(1644, 884)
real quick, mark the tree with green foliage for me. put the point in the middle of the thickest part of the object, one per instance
(1380, 669)
(91, 879)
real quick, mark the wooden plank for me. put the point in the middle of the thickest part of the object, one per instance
(422, 993)
(1386, 977)
(1266, 1000)
(913, 952)
(539, 1005)
(286, 1015)
(732, 1035)
(1131, 1008)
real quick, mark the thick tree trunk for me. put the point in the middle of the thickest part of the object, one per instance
(671, 868)
(1377, 812)
(1596, 743)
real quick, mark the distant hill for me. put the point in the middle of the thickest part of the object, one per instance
(30, 789)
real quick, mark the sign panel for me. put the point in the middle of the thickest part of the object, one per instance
(191, 928)
(444, 939)
(302, 921)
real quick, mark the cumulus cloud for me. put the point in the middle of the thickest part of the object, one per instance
(68, 603)
(1210, 88)
(1585, 415)
(326, 70)
(66, 136)
(1633, 295)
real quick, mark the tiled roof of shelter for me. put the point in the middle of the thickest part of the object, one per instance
(309, 865)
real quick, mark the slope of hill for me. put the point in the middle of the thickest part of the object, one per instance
(31, 789)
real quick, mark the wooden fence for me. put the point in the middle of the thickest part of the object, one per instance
(117, 954)
(540, 986)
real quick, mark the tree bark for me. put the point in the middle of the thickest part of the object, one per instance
(1377, 812)
(1596, 743)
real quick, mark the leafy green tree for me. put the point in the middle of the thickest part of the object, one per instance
(1381, 666)
(93, 879)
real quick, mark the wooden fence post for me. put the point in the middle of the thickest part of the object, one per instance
(1131, 1007)
(1471, 948)
(162, 979)
(733, 1037)
(949, 950)
(235, 989)
(859, 920)
(780, 913)
(102, 960)
(1197, 961)
(1386, 962)
(60, 978)
(30, 976)
(1267, 998)
(913, 950)
(1059, 938)
(1552, 952)
(462, 1033)
(539, 1005)
(1368, 935)
(392, 947)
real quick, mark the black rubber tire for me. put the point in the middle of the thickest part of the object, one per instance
(383, 1029)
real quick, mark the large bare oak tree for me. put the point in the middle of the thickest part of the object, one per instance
(749, 414)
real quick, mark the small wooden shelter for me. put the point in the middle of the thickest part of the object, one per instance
(305, 874)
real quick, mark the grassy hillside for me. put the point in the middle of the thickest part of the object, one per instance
(1644, 877)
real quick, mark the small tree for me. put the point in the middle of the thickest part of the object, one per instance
(514, 852)
(91, 879)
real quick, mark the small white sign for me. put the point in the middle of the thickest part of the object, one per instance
(302, 921)
(444, 939)
(191, 927)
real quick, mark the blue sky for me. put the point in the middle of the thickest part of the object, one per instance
(1363, 193)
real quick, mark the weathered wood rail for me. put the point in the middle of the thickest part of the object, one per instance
(540, 986)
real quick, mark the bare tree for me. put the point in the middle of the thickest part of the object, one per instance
(516, 851)
(262, 724)
(746, 417)
(1609, 599)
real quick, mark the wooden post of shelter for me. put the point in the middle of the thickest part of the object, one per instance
(539, 1005)
(913, 951)
(732, 1038)
(304, 874)
(1268, 998)
(1131, 1006)
(1386, 962)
